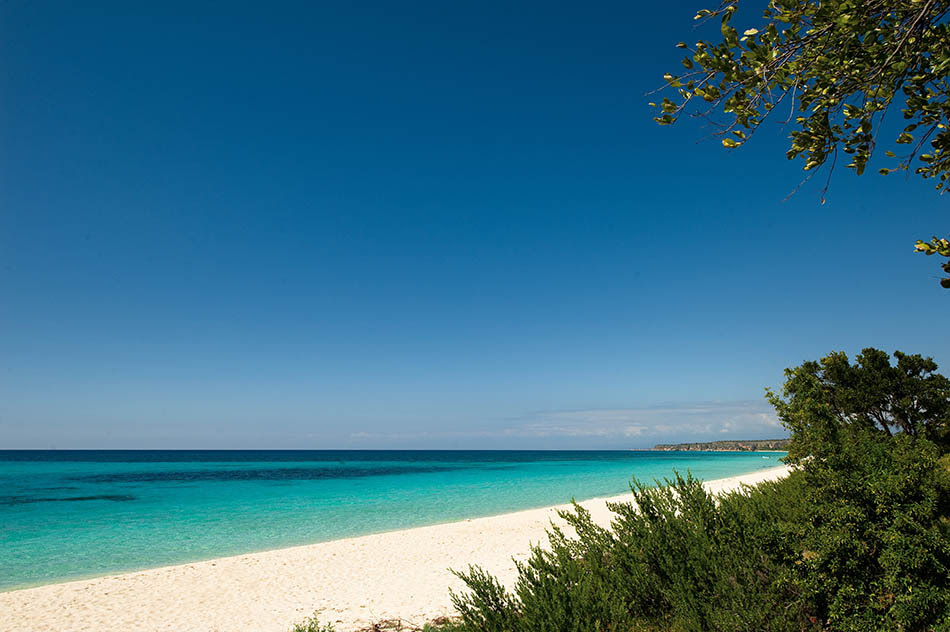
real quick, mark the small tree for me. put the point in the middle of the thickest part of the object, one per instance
(868, 438)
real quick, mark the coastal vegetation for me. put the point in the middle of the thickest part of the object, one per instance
(312, 624)
(727, 446)
(856, 538)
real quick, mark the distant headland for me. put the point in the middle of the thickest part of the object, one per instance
(728, 446)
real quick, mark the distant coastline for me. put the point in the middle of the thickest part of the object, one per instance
(758, 445)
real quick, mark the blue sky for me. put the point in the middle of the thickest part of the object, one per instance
(429, 225)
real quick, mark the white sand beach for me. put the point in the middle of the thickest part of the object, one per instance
(350, 583)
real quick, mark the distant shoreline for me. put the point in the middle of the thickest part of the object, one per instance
(701, 450)
(752, 445)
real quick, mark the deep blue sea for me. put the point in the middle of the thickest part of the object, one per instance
(75, 514)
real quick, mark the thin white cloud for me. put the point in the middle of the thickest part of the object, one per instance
(705, 418)
(657, 424)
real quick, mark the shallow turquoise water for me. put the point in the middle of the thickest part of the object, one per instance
(68, 515)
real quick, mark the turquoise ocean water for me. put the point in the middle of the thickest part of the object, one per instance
(74, 514)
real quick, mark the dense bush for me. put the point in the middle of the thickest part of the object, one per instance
(878, 536)
(868, 438)
(676, 560)
(857, 538)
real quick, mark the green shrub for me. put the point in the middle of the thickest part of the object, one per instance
(680, 562)
(312, 624)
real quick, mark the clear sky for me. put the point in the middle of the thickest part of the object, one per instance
(412, 225)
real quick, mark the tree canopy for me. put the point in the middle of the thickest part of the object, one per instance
(831, 397)
(839, 65)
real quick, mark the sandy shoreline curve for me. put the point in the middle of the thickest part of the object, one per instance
(350, 583)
